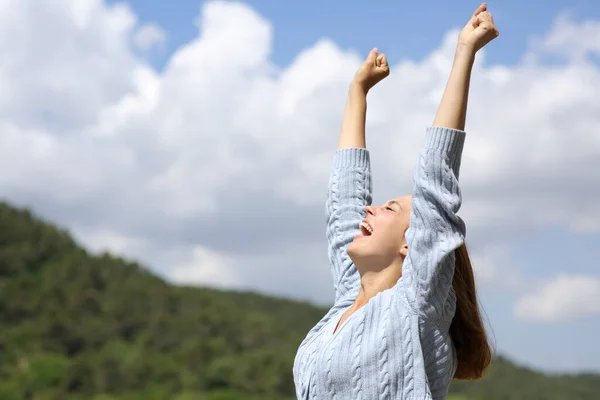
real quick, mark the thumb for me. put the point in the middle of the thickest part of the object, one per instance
(382, 61)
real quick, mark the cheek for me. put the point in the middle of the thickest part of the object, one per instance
(406, 218)
(389, 235)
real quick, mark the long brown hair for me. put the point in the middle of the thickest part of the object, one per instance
(467, 330)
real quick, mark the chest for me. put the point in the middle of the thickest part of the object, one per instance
(367, 353)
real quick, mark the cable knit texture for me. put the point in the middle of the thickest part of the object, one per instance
(398, 345)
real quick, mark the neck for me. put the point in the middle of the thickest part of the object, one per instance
(372, 282)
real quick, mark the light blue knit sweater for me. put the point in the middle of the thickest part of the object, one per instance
(398, 345)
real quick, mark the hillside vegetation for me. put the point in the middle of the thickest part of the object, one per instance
(74, 326)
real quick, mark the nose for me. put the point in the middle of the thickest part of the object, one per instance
(370, 210)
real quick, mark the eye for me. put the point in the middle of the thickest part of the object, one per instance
(389, 208)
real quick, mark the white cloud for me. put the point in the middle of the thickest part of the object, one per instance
(223, 154)
(207, 268)
(565, 298)
(485, 269)
(573, 41)
(64, 61)
(149, 36)
(583, 225)
(495, 269)
(100, 241)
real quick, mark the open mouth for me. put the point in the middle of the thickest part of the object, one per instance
(366, 229)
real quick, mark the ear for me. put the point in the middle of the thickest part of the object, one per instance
(404, 250)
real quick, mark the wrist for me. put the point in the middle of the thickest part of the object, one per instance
(464, 59)
(357, 89)
(465, 52)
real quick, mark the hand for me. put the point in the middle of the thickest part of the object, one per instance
(479, 31)
(374, 69)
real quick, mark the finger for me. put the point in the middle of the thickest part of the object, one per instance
(485, 21)
(372, 57)
(382, 60)
(486, 24)
(480, 9)
(485, 16)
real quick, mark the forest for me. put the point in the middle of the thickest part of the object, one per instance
(79, 326)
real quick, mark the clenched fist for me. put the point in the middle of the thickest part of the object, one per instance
(374, 69)
(479, 31)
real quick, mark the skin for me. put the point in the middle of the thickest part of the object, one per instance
(379, 255)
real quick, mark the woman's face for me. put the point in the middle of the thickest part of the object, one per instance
(381, 240)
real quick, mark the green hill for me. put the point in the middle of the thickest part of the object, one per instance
(74, 326)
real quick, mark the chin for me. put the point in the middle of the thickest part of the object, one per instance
(355, 249)
(351, 250)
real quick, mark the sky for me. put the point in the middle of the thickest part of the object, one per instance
(197, 138)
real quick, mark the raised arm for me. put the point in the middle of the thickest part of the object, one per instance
(435, 230)
(350, 189)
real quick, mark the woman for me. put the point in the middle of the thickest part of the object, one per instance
(405, 320)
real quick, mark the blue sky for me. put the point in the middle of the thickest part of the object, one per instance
(401, 29)
(144, 144)
(543, 255)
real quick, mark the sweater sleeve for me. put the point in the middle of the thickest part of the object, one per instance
(435, 230)
(349, 192)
